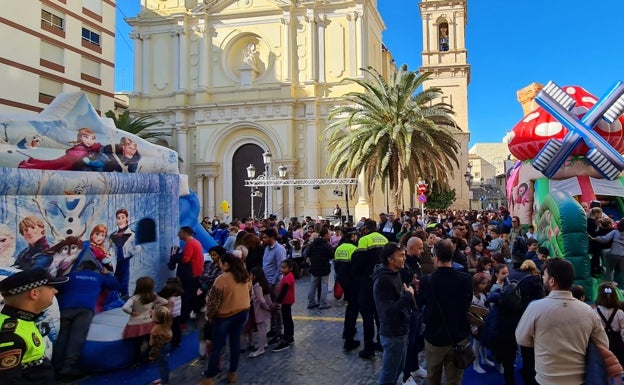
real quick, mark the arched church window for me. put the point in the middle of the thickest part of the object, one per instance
(443, 36)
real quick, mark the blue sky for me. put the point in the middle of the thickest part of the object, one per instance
(510, 45)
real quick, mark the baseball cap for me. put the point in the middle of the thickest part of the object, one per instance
(349, 230)
(27, 280)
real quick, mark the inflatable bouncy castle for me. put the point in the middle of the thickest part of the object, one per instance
(569, 154)
(74, 188)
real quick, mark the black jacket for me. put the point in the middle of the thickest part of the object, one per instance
(445, 296)
(393, 304)
(320, 254)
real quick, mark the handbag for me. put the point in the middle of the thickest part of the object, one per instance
(463, 355)
(338, 292)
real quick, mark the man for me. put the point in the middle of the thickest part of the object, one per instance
(192, 262)
(22, 351)
(445, 295)
(320, 254)
(363, 262)
(409, 273)
(337, 213)
(388, 227)
(394, 301)
(274, 255)
(123, 248)
(344, 276)
(77, 300)
(559, 328)
(33, 257)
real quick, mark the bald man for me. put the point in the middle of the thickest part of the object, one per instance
(410, 275)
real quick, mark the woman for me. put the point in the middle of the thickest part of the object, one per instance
(616, 255)
(227, 308)
(255, 251)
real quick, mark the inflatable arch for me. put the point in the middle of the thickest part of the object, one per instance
(67, 171)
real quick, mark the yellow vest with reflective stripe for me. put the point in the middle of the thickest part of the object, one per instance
(27, 331)
(372, 240)
(343, 252)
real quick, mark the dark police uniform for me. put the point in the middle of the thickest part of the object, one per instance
(22, 348)
(342, 263)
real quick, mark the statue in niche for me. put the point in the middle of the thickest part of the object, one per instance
(250, 57)
(444, 38)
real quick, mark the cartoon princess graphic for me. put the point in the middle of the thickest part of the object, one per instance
(85, 146)
(522, 195)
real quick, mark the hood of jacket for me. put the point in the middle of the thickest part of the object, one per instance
(381, 270)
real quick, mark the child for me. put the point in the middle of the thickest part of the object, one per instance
(286, 297)
(479, 285)
(608, 309)
(261, 299)
(473, 254)
(578, 292)
(172, 292)
(497, 243)
(485, 266)
(501, 272)
(139, 306)
(160, 342)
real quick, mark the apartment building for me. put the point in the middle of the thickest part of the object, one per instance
(54, 46)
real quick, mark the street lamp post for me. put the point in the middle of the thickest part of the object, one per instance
(469, 178)
(251, 173)
(266, 158)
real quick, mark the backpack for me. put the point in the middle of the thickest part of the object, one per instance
(616, 345)
(511, 296)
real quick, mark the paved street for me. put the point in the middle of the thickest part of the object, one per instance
(315, 358)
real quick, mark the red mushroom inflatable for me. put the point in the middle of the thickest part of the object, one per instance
(531, 134)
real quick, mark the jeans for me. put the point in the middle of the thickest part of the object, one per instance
(289, 325)
(316, 281)
(277, 326)
(394, 351)
(231, 329)
(163, 363)
(72, 336)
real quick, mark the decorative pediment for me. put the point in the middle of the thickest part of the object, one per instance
(213, 7)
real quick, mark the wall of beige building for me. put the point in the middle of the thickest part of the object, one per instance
(44, 52)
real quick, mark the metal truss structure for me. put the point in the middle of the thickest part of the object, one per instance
(273, 182)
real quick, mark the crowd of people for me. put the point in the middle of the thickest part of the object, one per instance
(423, 285)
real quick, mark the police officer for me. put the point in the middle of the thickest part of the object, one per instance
(22, 349)
(363, 262)
(342, 263)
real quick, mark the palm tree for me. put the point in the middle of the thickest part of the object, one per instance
(390, 131)
(136, 126)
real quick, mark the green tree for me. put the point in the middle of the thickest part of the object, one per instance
(440, 199)
(136, 126)
(392, 131)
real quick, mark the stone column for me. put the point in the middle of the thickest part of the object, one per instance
(199, 190)
(320, 25)
(181, 131)
(145, 70)
(138, 62)
(362, 206)
(313, 47)
(175, 70)
(286, 54)
(203, 60)
(211, 212)
(183, 59)
(353, 43)
(312, 202)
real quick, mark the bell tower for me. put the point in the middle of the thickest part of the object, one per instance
(445, 56)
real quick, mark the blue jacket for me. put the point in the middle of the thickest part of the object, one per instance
(83, 289)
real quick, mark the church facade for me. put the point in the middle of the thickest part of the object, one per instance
(233, 79)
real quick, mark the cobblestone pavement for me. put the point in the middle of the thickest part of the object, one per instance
(316, 357)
